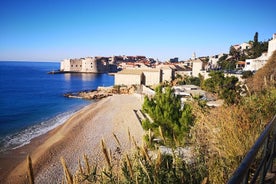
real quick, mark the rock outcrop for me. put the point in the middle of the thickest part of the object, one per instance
(102, 92)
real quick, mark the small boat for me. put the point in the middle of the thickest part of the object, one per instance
(54, 72)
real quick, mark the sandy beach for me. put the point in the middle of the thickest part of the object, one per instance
(81, 134)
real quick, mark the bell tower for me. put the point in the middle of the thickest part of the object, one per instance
(193, 56)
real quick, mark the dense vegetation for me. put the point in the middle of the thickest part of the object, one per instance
(226, 88)
(228, 65)
(187, 80)
(258, 47)
(224, 135)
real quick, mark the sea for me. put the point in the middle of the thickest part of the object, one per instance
(32, 101)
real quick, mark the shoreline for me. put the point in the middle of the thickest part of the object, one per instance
(64, 72)
(20, 138)
(80, 134)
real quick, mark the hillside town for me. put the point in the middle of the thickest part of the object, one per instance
(144, 92)
(133, 70)
(219, 100)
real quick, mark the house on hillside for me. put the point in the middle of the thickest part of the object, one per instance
(213, 60)
(256, 64)
(271, 46)
(240, 64)
(243, 46)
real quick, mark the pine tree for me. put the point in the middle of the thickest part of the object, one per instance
(165, 110)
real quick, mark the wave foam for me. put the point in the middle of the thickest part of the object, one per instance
(25, 136)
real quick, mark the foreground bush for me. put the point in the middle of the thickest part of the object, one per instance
(224, 135)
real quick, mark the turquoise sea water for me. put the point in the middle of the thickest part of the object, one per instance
(32, 101)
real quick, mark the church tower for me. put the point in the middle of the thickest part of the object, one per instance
(193, 56)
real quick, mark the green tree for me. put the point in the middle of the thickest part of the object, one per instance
(229, 91)
(214, 83)
(234, 53)
(227, 65)
(225, 87)
(256, 39)
(187, 80)
(258, 47)
(255, 48)
(166, 111)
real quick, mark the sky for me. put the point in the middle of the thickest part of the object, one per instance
(52, 30)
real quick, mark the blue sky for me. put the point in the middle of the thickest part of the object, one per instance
(51, 30)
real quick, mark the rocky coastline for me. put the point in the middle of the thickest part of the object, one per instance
(101, 92)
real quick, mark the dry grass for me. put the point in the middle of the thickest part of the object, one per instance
(67, 174)
(137, 167)
(106, 154)
(224, 135)
(265, 77)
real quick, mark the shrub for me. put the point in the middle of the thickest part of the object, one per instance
(225, 134)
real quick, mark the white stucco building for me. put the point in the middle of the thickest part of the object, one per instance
(213, 60)
(245, 46)
(271, 46)
(242, 46)
(256, 64)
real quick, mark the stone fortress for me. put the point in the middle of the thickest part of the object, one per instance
(98, 64)
(85, 65)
